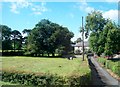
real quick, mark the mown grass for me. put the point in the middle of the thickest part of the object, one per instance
(45, 71)
(59, 66)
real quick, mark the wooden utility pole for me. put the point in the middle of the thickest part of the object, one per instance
(83, 38)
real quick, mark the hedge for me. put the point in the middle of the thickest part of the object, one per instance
(45, 79)
(12, 53)
(114, 66)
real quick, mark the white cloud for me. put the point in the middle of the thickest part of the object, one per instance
(14, 0)
(83, 6)
(0, 5)
(111, 14)
(39, 9)
(112, 0)
(76, 36)
(71, 15)
(89, 9)
(21, 4)
(16, 6)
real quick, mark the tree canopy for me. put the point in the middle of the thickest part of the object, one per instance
(104, 36)
(16, 39)
(6, 37)
(47, 37)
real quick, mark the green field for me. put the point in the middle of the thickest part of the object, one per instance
(58, 66)
(43, 71)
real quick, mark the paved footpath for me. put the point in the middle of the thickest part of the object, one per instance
(100, 77)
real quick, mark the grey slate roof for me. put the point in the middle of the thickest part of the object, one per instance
(79, 44)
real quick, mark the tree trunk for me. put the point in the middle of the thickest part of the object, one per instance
(14, 43)
(42, 54)
(53, 54)
(48, 55)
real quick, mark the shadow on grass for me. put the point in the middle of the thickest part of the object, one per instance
(63, 57)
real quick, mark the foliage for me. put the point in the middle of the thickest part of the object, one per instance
(94, 22)
(113, 42)
(60, 50)
(102, 61)
(93, 42)
(46, 37)
(111, 64)
(16, 39)
(2, 84)
(25, 32)
(13, 53)
(78, 51)
(6, 36)
(104, 36)
(45, 79)
(45, 71)
(10, 39)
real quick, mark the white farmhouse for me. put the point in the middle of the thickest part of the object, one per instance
(78, 47)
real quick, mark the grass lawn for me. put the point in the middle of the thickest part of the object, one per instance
(59, 66)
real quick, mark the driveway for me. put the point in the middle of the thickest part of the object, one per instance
(78, 56)
(100, 77)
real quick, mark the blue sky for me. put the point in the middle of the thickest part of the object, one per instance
(24, 15)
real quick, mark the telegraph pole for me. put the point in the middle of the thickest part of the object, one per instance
(82, 38)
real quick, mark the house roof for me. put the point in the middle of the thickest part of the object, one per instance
(79, 44)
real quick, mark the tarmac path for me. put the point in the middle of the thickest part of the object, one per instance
(100, 77)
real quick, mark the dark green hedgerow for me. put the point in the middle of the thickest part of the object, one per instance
(45, 79)
(113, 65)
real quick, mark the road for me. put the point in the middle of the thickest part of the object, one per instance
(100, 77)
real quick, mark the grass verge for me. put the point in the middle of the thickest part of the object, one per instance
(113, 65)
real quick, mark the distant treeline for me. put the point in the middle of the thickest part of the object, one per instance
(45, 38)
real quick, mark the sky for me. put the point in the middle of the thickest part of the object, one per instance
(24, 14)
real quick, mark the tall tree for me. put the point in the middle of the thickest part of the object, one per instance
(112, 45)
(95, 24)
(6, 37)
(26, 32)
(46, 37)
(104, 36)
(17, 40)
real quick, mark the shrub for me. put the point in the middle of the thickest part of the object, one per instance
(77, 51)
(12, 53)
(112, 65)
(45, 79)
(102, 61)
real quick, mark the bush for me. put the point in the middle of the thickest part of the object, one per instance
(112, 65)
(12, 53)
(77, 52)
(102, 61)
(45, 79)
(81, 80)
